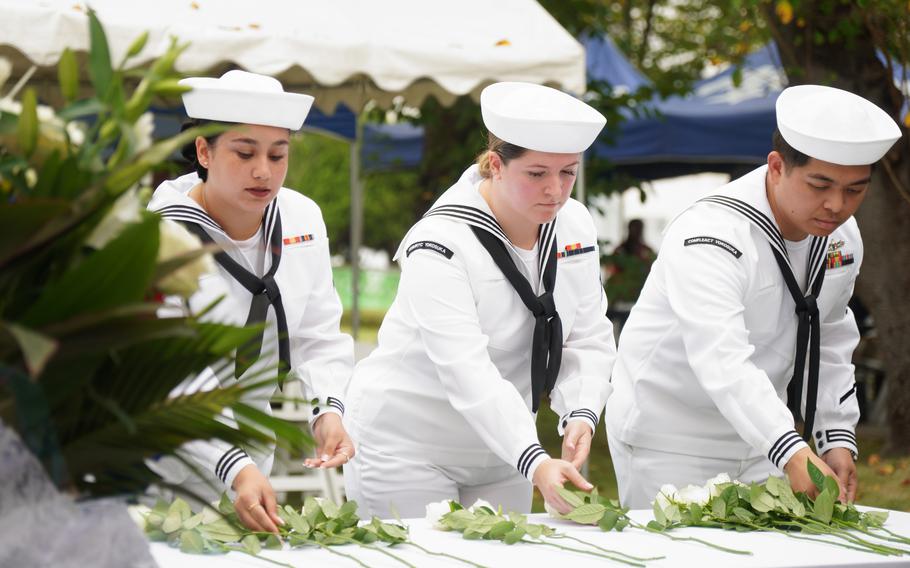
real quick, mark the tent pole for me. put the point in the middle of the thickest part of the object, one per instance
(356, 226)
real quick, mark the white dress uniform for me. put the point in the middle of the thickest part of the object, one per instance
(286, 263)
(707, 353)
(441, 409)
(321, 356)
(706, 357)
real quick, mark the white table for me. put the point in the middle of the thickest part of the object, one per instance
(769, 550)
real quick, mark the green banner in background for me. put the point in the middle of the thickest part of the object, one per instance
(377, 287)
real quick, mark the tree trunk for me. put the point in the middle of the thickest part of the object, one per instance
(884, 218)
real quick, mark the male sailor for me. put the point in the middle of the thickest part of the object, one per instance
(743, 322)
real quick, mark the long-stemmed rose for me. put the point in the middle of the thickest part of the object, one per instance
(482, 521)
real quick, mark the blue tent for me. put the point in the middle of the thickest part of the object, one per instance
(719, 126)
(384, 147)
(605, 62)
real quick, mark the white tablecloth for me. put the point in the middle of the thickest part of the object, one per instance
(769, 550)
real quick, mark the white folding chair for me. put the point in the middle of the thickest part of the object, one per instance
(288, 472)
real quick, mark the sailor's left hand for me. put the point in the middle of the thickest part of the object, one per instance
(333, 445)
(840, 460)
(576, 443)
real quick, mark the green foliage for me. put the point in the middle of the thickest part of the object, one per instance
(320, 169)
(318, 523)
(774, 507)
(481, 522)
(86, 364)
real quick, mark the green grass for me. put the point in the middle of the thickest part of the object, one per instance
(883, 482)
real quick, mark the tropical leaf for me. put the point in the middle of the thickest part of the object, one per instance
(19, 221)
(36, 348)
(99, 64)
(117, 274)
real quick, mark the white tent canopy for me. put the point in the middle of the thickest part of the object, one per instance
(341, 51)
(349, 51)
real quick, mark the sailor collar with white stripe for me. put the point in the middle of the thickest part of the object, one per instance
(172, 201)
(748, 197)
(464, 204)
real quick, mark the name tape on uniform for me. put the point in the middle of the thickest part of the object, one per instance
(714, 241)
(430, 245)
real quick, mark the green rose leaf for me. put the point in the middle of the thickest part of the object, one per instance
(193, 521)
(272, 542)
(719, 508)
(225, 505)
(221, 531)
(458, 520)
(743, 514)
(499, 530)
(514, 536)
(816, 475)
(655, 526)
(587, 514)
(824, 506)
(608, 520)
(191, 542)
(394, 531)
(762, 502)
(172, 522)
(875, 518)
(831, 486)
(570, 497)
(330, 509)
(251, 544)
(659, 515)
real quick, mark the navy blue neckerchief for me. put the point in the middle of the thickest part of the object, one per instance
(546, 343)
(808, 329)
(264, 290)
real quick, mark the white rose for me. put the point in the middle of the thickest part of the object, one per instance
(667, 495)
(694, 494)
(125, 211)
(435, 512)
(719, 479)
(481, 503)
(174, 241)
(143, 129)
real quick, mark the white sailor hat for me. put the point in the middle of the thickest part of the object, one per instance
(539, 118)
(834, 126)
(245, 98)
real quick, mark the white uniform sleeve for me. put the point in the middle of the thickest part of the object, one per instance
(436, 290)
(837, 408)
(706, 286)
(324, 356)
(216, 456)
(588, 355)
